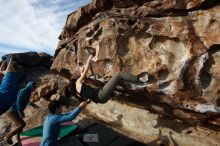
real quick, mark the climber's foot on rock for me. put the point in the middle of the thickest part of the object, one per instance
(143, 77)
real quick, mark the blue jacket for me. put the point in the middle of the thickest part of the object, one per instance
(8, 91)
(23, 98)
(52, 126)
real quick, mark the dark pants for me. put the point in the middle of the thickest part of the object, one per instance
(106, 91)
(20, 123)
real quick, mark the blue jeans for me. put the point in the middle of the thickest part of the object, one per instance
(8, 91)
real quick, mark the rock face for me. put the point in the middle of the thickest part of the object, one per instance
(151, 129)
(177, 43)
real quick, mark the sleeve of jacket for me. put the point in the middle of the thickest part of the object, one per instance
(67, 117)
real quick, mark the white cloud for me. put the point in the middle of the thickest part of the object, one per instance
(34, 24)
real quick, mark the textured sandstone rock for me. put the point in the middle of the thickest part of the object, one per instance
(175, 42)
(46, 87)
(150, 128)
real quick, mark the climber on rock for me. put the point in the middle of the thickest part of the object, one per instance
(80, 90)
(8, 86)
(52, 124)
(16, 112)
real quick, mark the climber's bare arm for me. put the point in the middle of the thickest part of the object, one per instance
(10, 67)
(83, 75)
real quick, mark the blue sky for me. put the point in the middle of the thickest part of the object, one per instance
(33, 25)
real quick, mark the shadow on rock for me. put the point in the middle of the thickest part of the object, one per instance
(175, 125)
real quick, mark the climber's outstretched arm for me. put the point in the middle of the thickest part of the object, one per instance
(83, 75)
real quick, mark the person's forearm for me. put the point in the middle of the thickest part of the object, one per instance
(10, 67)
(83, 75)
(68, 117)
(75, 113)
(87, 65)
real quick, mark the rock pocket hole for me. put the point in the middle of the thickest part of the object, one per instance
(96, 27)
(188, 132)
(122, 45)
(121, 30)
(98, 33)
(90, 51)
(90, 33)
(131, 21)
(205, 76)
(205, 79)
(151, 79)
(164, 85)
(187, 105)
(162, 74)
(80, 64)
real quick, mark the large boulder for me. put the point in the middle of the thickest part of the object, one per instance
(177, 43)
